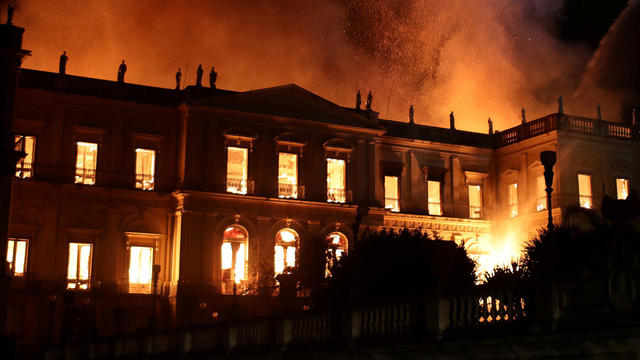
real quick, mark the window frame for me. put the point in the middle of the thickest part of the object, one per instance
(628, 182)
(153, 170)
(440, 193)
(384, 189)
(78, 283)
(581, 197)
(333, 198)
(480, 214)
(20, 164)
(140, 239)
(296, 190)
(540, 201)
(285, 245)
(231, 280)
(25, 265)
(246, 185)
(95, 169)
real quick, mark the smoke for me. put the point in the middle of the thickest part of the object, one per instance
(478, 58)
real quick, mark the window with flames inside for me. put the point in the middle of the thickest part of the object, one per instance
(86, 159)
(140, 269)
(336, 180)
(584, 190)
(17, 256)
(541, 194)
(79, 266)
(285, 251)
(288, 175)
(237, 170)
(337, 246)
(234, 253)
(145, 169)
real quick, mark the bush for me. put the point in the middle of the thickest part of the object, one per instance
(407, 264)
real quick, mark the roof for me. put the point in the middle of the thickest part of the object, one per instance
(290, 101)
(78, 85)
(436, 134)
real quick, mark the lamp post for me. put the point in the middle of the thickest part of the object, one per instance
(548, 159)
(156, 272)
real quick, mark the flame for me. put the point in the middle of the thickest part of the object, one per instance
(479, 59)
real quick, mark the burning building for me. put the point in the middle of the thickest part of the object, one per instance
(208, 190)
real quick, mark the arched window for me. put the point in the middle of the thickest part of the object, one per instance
(234, 251)
(337, 245)
(286, 248)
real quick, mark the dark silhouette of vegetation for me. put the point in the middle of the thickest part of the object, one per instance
(389, 265)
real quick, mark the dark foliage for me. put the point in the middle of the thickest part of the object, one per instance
(505, 277)
(391, 265)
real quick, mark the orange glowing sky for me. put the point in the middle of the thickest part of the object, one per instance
(478, 58)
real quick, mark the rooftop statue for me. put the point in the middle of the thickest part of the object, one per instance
(62, 69)
(524, 117)
(411, 114)
(178, 79)
(560, 103)
(452, 121)
(490, 126)
(599, 112)
(369, 100)
(199, 73)
(122, 69)
(213, 77)
(10, 11)
(358, 100)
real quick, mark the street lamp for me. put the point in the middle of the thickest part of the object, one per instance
(548, 159)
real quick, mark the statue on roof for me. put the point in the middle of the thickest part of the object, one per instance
(369, 101)
(490, 126)
(62, 69)
(524, 117)
(10, 11)
(199, 73)
(452, 121)
(358, 100)
(634, 117)
(560, 103)
(213, 77)
(122, 69)
(599, 112)
(178, 79)
(411, 114)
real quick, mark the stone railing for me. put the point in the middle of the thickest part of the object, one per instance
(434, 318)
(564, 122)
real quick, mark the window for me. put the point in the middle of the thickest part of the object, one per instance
(434, 204)
(79, 269)
(584, 191)
(287, 175)
(475, 201)
(27, 144)
(336, 180)
(391, 198)
(234, 253)
(541, 194)
(513, 199)
(140, 269)
(337, 245)
(622, 188)
(17, 256)
(237, 160)
(145, 168)
(86, 159)
(285, 250)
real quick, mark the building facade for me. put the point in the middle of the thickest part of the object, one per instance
(213, 190)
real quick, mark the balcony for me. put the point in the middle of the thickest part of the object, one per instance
(336, 196)
(240, 186)
(290, 191)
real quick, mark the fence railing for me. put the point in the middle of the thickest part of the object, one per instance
(565, 122)
(435, 317)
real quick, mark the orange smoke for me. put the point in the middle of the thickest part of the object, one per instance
(478, 58)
